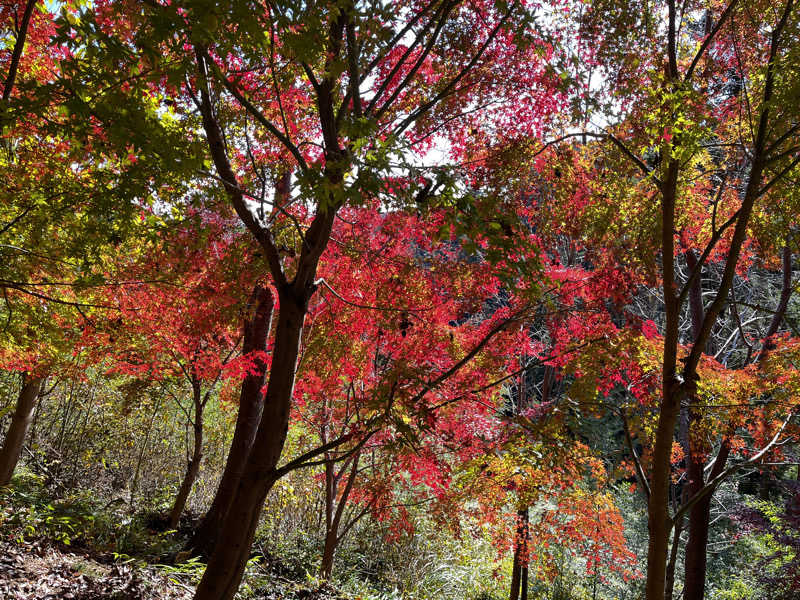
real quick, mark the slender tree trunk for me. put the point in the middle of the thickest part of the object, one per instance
(328, 553)
(658, 519)
(335, 504)
(695, 558)
(519, 573)
(675, 388)
(700, 514)
(515, 577)
(251, 403)
(669, 588)
(193, 468)
(20, 421)
(696, 448)
(326, 566)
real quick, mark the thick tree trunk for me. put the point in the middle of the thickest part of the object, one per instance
(251, 403)
(227, 563)
(328, 552)
(226, 566)
(695, 558)
(20, 421)
(193, 468)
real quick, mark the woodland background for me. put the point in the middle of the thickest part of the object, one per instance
(425, 299)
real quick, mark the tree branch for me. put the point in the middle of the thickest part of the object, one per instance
(710, 38)
(715, 481)
(19, 45)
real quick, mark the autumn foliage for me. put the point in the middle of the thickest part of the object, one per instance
(528, 265)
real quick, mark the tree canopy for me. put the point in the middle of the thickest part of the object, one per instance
(369, 282)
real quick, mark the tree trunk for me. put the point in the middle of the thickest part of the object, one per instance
(19, 45)
(326, 566)
(227, 563)
(328, 552)
(226, 566)
(519, 573)
(251, 403)
(335, 504)
(675, 388)
(515, 577)
(669, 588)
(20, 421)
(695, 446)
(695, 558)
(193, 467)
(658, 519)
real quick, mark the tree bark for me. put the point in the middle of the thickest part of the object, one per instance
(193, 468)
(515, 577)
(20, 421)
(658, 519)
(227, 563)
(328, 553)
(335, 504)
(519, 573)
(695, 558)
(251, 403)
(695, 448)
(699, 517)
(675, 387)
(669, 587)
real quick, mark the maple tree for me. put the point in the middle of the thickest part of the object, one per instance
(341, 141)
(680, 146)
(33, 272)
(17, 20)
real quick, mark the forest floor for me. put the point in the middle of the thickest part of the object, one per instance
(81, 548)
(44, 570)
